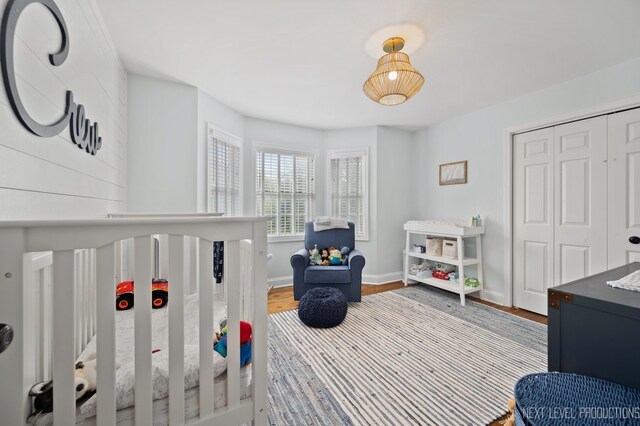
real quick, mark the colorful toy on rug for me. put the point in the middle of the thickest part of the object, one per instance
(85, 377)
(314, 256)
(245, 343)
(126, 289)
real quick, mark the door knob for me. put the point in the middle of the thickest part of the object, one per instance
(634, 240)
(6, 336)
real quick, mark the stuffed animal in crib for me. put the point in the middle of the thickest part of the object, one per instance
(314, 256)
(85, 377)
(245, 343)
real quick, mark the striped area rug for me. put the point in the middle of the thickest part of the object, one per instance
(411, 356)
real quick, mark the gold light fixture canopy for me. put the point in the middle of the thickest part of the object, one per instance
(394, 80)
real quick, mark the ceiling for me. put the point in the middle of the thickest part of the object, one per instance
(304, 61)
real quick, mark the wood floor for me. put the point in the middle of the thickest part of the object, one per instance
(281, 299)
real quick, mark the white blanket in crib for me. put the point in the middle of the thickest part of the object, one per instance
(630, 282)
(125, 375)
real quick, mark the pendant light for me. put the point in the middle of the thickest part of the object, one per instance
(394, 80)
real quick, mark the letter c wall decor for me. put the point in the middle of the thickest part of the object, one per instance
(83, 133)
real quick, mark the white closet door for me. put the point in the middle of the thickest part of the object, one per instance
(580, 235)
(533, 219)
(624, 187)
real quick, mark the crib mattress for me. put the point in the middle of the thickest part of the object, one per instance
(125, 374)
(126, 416)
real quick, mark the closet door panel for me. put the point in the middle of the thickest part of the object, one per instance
(580, 232)
(533, 219)
(624, 187)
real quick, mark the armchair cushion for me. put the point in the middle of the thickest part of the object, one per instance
(327, 275)
(333, 237)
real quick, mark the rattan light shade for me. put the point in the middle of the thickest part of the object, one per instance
(383, 88)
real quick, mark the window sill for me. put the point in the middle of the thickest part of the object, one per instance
(285, 239)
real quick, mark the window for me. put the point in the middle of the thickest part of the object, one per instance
(349, 185)
(285, 191)
(223, 172)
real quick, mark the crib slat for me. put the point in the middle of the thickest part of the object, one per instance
(89, 282)
(47, 316)
(119, 261)
(192, 265)
(64, 400)
(176, 329)
(92, 297)
(106, 335)
(259, 343)
(232, 283)
(142, 330)
(78, 301)
(205, 289)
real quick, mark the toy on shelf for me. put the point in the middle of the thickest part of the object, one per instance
(441, 275)
(126, 289)
(471, 282)
(245, 343)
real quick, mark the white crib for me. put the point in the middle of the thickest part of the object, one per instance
(57, 289)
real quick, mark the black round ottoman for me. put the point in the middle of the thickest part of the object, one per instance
(322, 307)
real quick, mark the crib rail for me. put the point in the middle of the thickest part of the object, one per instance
(84, 260)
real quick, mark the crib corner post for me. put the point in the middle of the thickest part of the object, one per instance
(260, 312)
(13, 311)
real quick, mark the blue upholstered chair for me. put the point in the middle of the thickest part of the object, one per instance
(346, 278)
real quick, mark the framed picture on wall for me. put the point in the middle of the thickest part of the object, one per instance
(453, 173)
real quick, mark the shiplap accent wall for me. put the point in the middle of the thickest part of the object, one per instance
(51, 177)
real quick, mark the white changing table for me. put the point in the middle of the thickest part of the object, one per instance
(446, 230)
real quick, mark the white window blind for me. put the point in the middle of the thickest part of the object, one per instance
(349, 189)
(285, 191)
(223, 173)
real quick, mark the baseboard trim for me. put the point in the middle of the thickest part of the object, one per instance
(492, 296)
(287, 280)
(382, 279)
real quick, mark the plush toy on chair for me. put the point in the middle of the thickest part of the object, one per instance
(245, 343)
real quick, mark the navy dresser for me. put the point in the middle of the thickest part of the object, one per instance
(594, 329)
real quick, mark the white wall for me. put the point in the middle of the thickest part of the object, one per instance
(396, 195)
(51, 177)
(479, 138)
(163, 143)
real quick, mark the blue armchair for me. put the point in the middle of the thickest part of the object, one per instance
(346, 278)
